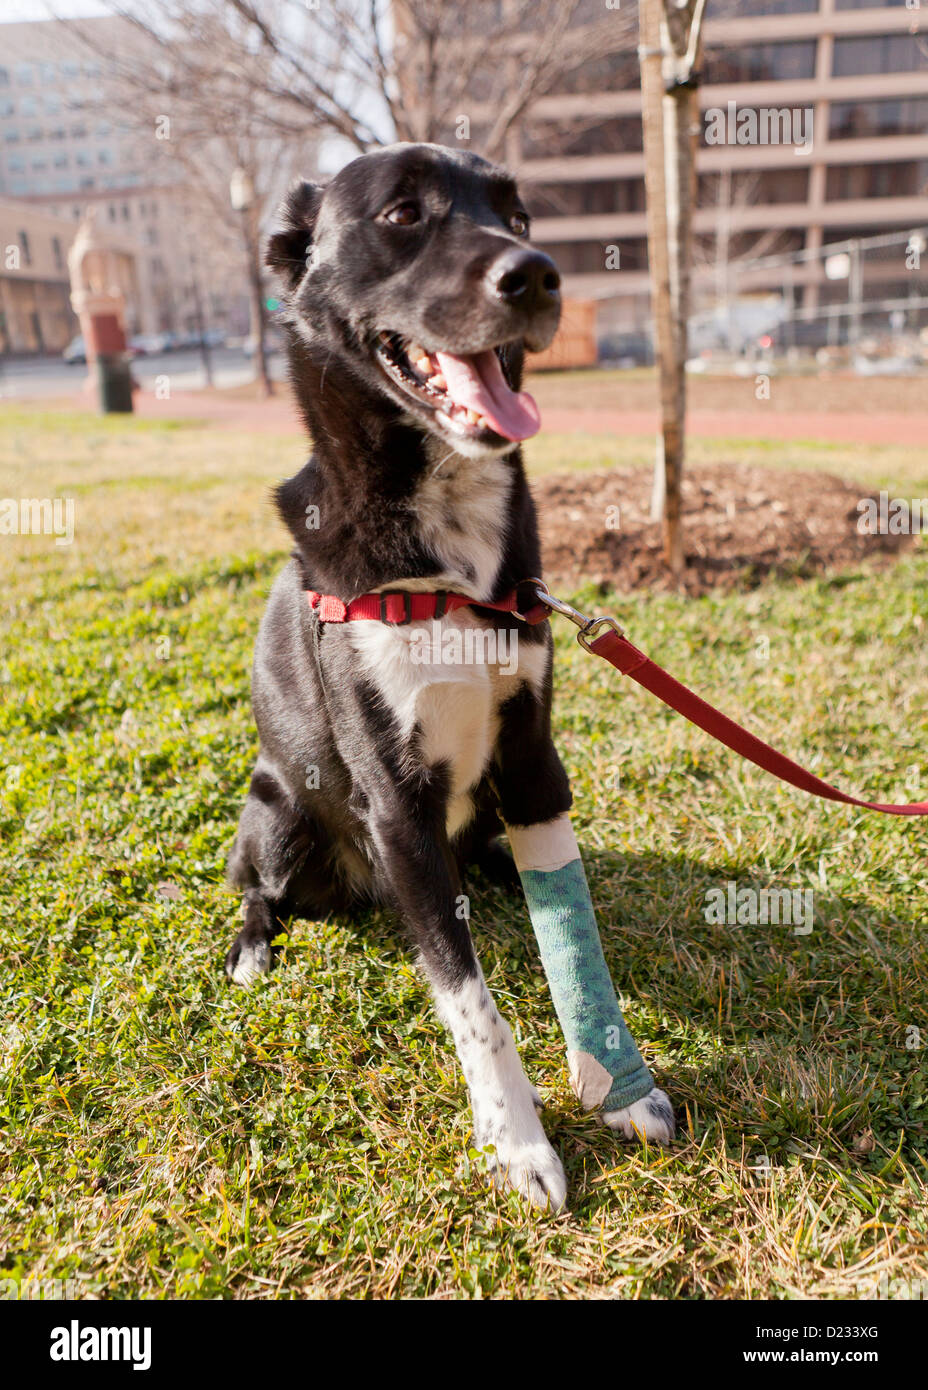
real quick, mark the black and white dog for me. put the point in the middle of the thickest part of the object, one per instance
(410, 294)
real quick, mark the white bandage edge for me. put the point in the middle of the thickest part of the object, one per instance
(547, 846)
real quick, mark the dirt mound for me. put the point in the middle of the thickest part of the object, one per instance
(741, 523)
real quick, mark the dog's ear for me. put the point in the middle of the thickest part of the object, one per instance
(288, 248)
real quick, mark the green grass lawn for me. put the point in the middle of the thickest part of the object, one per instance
(166, 1135)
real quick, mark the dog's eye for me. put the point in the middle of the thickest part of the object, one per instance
(405, 215)
(518, 223)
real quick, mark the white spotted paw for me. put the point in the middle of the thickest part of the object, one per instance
(521, 1156)
(534, 1170)
(650, 1118)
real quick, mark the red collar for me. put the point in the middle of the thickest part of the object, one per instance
(401, 606)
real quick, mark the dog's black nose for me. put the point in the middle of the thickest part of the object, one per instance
(526, 279)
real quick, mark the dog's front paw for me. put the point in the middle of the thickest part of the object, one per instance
(650, 1118)
(534, 1170)
(523, 1159)
(249, 956)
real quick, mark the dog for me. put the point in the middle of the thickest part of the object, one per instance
(410, 295)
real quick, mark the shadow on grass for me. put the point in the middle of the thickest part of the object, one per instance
(773, 1039)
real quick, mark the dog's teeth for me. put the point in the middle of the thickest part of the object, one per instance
(423, 363)
(437, 382)
(415, 351)
(474, 417)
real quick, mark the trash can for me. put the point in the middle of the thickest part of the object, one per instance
(114, 382)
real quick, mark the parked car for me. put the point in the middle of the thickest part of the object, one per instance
(626, 350)
(76, 351)
(273, 342)
(151, 344)
(212, 338)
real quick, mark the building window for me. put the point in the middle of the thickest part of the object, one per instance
(34, 133)
(750, 8)
(907, 178)
(871, 4)
(617, 135)
(749, 189)
(614, 72)
(16, 162)
(762, 62)
(24, 74)
(586, 198)
(56, 252)
(4, 77)
(25, 248)
(125, 212)
(61, 161)
(875, 53)
(852, 120)
(11, 137)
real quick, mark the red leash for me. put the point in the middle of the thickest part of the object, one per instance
(400, 606)
(615, 648)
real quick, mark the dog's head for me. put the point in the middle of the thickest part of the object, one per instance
(414, 266)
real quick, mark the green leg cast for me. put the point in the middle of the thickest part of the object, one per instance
(607, 1070)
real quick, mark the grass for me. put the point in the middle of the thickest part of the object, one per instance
(164, 1135)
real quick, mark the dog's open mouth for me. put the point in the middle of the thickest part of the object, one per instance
(469, 395)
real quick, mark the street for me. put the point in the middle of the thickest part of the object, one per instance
(51, 377)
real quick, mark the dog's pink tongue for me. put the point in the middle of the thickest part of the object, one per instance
(478, 383)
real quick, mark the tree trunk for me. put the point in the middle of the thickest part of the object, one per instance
(258, 316)
(669, 112)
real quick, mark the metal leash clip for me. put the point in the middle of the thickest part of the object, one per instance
(589, 627)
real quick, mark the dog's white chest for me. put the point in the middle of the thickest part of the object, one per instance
(444, 682)
(460, 508)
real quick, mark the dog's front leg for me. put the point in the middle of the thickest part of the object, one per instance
(606, 1069)
(414, 852)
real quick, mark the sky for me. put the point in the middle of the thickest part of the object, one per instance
(15, 10)
(333, 153)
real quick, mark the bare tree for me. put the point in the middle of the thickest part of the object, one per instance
(375, 71)
(201, 145)
(671, 34)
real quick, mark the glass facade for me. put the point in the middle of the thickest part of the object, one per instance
(850, 120)
(762, 62)
(905, 178)
(585, 198)
(875, 53)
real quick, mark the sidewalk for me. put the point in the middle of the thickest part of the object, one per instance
(279, 416)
